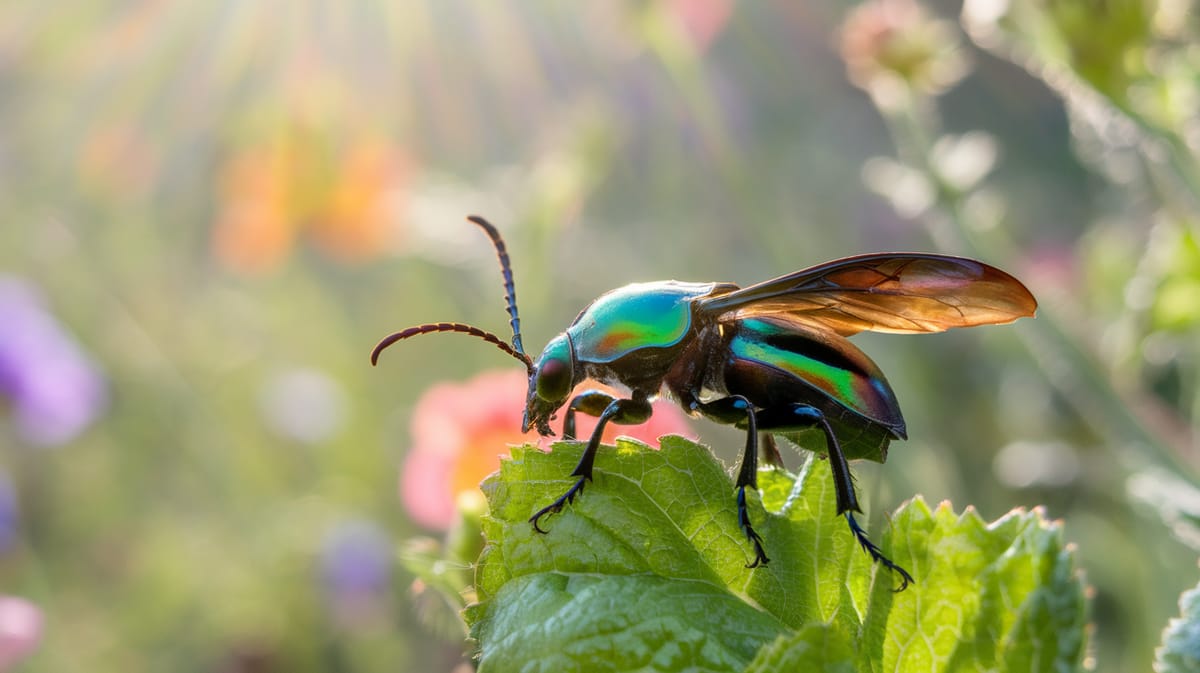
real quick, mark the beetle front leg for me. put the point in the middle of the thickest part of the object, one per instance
(590, 402)
(623, 412)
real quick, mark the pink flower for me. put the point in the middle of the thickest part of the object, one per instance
(20, 630)
(702, 20)
(889, 45)
(460, 430)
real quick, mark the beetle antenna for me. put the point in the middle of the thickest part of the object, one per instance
(432, 328)
(510, 290)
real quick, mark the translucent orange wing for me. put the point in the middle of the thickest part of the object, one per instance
(901, 293)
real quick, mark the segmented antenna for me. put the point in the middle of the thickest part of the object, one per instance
(510, 298)
(432, 328)
(510, 290)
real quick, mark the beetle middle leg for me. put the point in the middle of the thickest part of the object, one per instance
(843, 481)
(732, 410)
(768, 450)
(624, 412)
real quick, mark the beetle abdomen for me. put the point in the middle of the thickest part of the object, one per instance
(826, 364)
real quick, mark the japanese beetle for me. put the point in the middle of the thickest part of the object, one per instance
(771, 358)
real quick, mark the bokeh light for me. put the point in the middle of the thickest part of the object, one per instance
(212, 211)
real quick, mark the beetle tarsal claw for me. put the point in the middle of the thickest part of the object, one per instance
(877, 554)
(557, 506)
(760, 555)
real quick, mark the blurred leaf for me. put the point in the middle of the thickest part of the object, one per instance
(1125, 68)
(1177, 302)
(1101, 42)
(1180, 651)
(647, 571)
(1174, 499)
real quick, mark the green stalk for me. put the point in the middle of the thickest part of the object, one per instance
(1079, 376)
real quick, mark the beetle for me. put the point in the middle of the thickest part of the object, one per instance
(771, 358)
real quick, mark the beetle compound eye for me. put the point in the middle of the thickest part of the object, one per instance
(554, 379)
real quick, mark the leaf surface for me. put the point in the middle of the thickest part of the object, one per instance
(646, 572)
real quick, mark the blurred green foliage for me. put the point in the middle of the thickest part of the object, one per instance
(224, 205)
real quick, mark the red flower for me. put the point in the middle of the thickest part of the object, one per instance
(460, 430)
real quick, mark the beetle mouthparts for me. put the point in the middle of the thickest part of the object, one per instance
(536, 421)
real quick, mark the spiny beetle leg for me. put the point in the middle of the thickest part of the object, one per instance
(624, 412)
(847, 499)
(731, 408)
(844, 485)
(877, 555)
(760, 556)
(557, 505)
(805, 415)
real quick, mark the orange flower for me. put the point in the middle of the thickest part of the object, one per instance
(254, 230)
(355, 222)
(460, 431)
(276, 191)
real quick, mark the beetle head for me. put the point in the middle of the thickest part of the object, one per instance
(550, 384)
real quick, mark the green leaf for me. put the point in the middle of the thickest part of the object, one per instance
(580, 622)
(1000, 596)
(646, 571)
(816, 647)
(1180, 650)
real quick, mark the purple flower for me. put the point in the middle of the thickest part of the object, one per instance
(356, 559)
(356, 564)
(53, 388)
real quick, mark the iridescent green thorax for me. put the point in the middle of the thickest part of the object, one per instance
(641, 315)
(824, 360)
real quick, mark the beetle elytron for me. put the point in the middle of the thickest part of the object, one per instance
(771, 358)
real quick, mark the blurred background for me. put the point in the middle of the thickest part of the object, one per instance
(210, 212)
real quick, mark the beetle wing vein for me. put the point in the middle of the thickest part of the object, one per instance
(889, 292)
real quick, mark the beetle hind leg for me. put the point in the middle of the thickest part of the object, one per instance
(877, 554)
(843, 480)
(733, 410)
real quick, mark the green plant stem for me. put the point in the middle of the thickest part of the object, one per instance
(1178, 155)
(1067, 366)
